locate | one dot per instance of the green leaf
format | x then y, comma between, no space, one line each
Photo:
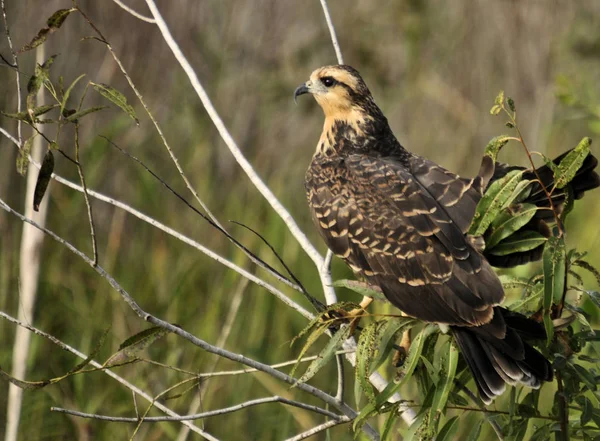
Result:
42,74
318,331
520,193
511,282
365,350
327,353
24,116
75,116
511,104
519,242
388,335
567,169
43,179
495,144
389,423
449,431
54,22
586,409
446,376
23,155
493,201
410,364
92,355
414,354
554,263
360,288
508,222
67,93
135,344
476,431
58,18
115,97
586,377
587,266
520,304
499,98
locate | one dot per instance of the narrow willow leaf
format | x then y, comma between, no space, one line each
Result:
24,116
493,201
115,97
504,226
75,116
389,333
586,409
554,264
586,377
317,332
92,355
365,350
58,18
23,155
449,431
135,344
587,266
326,354
531,302
414,354
510,282
25,385
519,242
499,98
571,163
446,380
67,93
43,179
476,431
520,193
386,434
360,288
495,145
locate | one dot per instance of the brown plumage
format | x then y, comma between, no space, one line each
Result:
400,221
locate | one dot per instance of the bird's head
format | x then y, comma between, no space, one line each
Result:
339,90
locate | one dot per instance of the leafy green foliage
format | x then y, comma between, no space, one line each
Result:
115,97
43,179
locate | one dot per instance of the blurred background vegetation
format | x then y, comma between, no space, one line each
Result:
434,67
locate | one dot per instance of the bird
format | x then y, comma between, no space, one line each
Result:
401,222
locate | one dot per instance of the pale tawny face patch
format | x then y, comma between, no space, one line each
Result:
335,100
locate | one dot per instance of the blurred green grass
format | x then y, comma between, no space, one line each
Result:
434,69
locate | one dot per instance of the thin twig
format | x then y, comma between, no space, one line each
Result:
86,197
198,416
147,109
15,64
110,373
318,393
334,40
319,428
237,243
236,152
134,12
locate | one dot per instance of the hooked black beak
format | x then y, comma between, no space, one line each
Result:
301,90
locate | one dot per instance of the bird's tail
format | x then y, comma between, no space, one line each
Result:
585,179
498,353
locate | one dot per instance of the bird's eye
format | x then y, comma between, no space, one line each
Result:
328,81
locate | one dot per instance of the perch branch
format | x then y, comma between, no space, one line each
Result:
323,396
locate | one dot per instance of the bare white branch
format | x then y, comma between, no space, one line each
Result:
134,12
198,416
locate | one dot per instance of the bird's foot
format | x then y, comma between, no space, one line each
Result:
402,349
